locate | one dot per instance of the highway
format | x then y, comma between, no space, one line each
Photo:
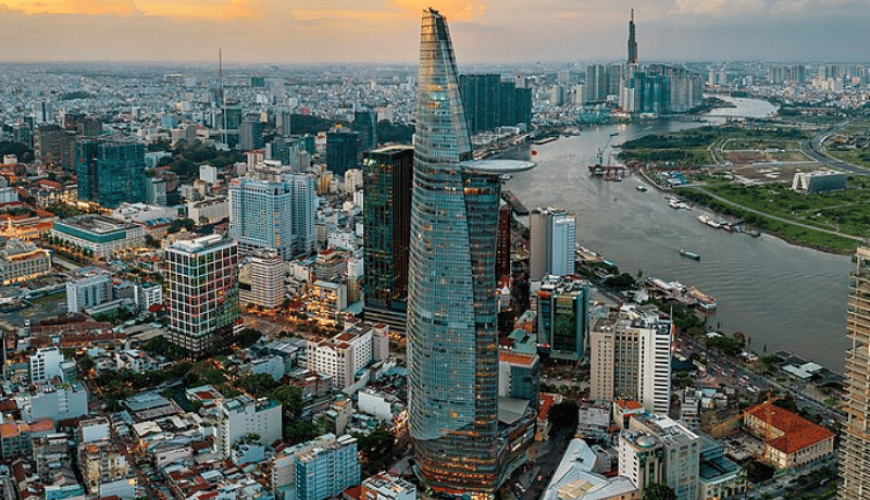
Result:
815,149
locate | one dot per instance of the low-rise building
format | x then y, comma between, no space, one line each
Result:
384,486
22,261
243,417
789,440
101,235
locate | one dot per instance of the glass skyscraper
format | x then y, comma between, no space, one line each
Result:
110,172
452,313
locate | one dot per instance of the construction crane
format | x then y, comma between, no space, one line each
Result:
602,150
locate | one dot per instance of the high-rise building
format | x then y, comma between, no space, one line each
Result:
597,82
202,291
261,281
244,417
52,145
490,102
452,312
327,470
631,359
387,179
855,446
553,237
342,151
632,43
251,133
503,247
563,317
273,207
110,172
366,123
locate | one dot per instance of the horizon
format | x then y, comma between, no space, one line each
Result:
385,31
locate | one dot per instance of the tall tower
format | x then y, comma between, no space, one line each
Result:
632,43
855,446
452,313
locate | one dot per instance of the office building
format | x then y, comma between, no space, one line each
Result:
88,292
110,172
632,42
452,312
344,355
261,281
342,151
387,181
597,82
855,444
503,246
202,291
245,418
273,208
22,261
680,457
519,375
631,358
328,469
563,317
251,133
365,122
45,364
99,234
54,146
384,486
553,241
490,102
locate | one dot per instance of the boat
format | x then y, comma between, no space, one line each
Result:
642,189
753,233
690,255
725,225
713,224
705,302
545,140
703,219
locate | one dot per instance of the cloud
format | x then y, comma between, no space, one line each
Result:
186,9
453,10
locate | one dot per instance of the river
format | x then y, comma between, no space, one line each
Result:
780,295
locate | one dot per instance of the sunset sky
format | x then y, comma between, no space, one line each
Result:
362,31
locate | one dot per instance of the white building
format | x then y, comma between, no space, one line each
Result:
45,364
143,213
344,355
261,281
66,401
681,453
818,182
240,417
101,235
386,487
148,294
208,174
553,239
631,359
8,195
88,292
209,211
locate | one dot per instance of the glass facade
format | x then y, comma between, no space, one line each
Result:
452,314
110,173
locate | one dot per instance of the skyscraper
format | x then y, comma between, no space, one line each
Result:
342,151
110,172
273,208
452,318
202,290
387,179
503,250
553,236
632,43
855,446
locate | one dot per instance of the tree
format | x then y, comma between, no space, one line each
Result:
248,337
290,398
258,384
656,491
564,416
300,431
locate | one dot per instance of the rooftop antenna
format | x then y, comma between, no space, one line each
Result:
632,15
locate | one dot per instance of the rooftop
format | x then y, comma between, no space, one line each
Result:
497,167
96,224
798,432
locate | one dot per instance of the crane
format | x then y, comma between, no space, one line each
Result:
602,150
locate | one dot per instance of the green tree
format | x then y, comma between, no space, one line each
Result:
290,398
300,431
564,415
656,491
258,384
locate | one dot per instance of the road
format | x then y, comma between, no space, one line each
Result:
774,217
548,461
724,367
815,149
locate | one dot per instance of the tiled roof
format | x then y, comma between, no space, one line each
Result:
798,432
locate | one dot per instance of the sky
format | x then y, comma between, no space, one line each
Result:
387,31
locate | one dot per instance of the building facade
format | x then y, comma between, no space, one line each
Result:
452,311
264,285
342,151
327,470
387,180
563,317
553,240
111,173
243,417
273,209
202,291
21,261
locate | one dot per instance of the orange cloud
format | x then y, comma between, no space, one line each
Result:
187,9
453,10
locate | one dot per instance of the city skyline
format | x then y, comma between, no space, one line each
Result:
274,31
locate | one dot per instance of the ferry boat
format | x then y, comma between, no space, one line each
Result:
690,255
642,189
705,302
703,219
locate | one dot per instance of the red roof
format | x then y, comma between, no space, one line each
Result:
629,404
546,403
798,432
515,358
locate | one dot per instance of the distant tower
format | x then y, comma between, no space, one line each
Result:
632,43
